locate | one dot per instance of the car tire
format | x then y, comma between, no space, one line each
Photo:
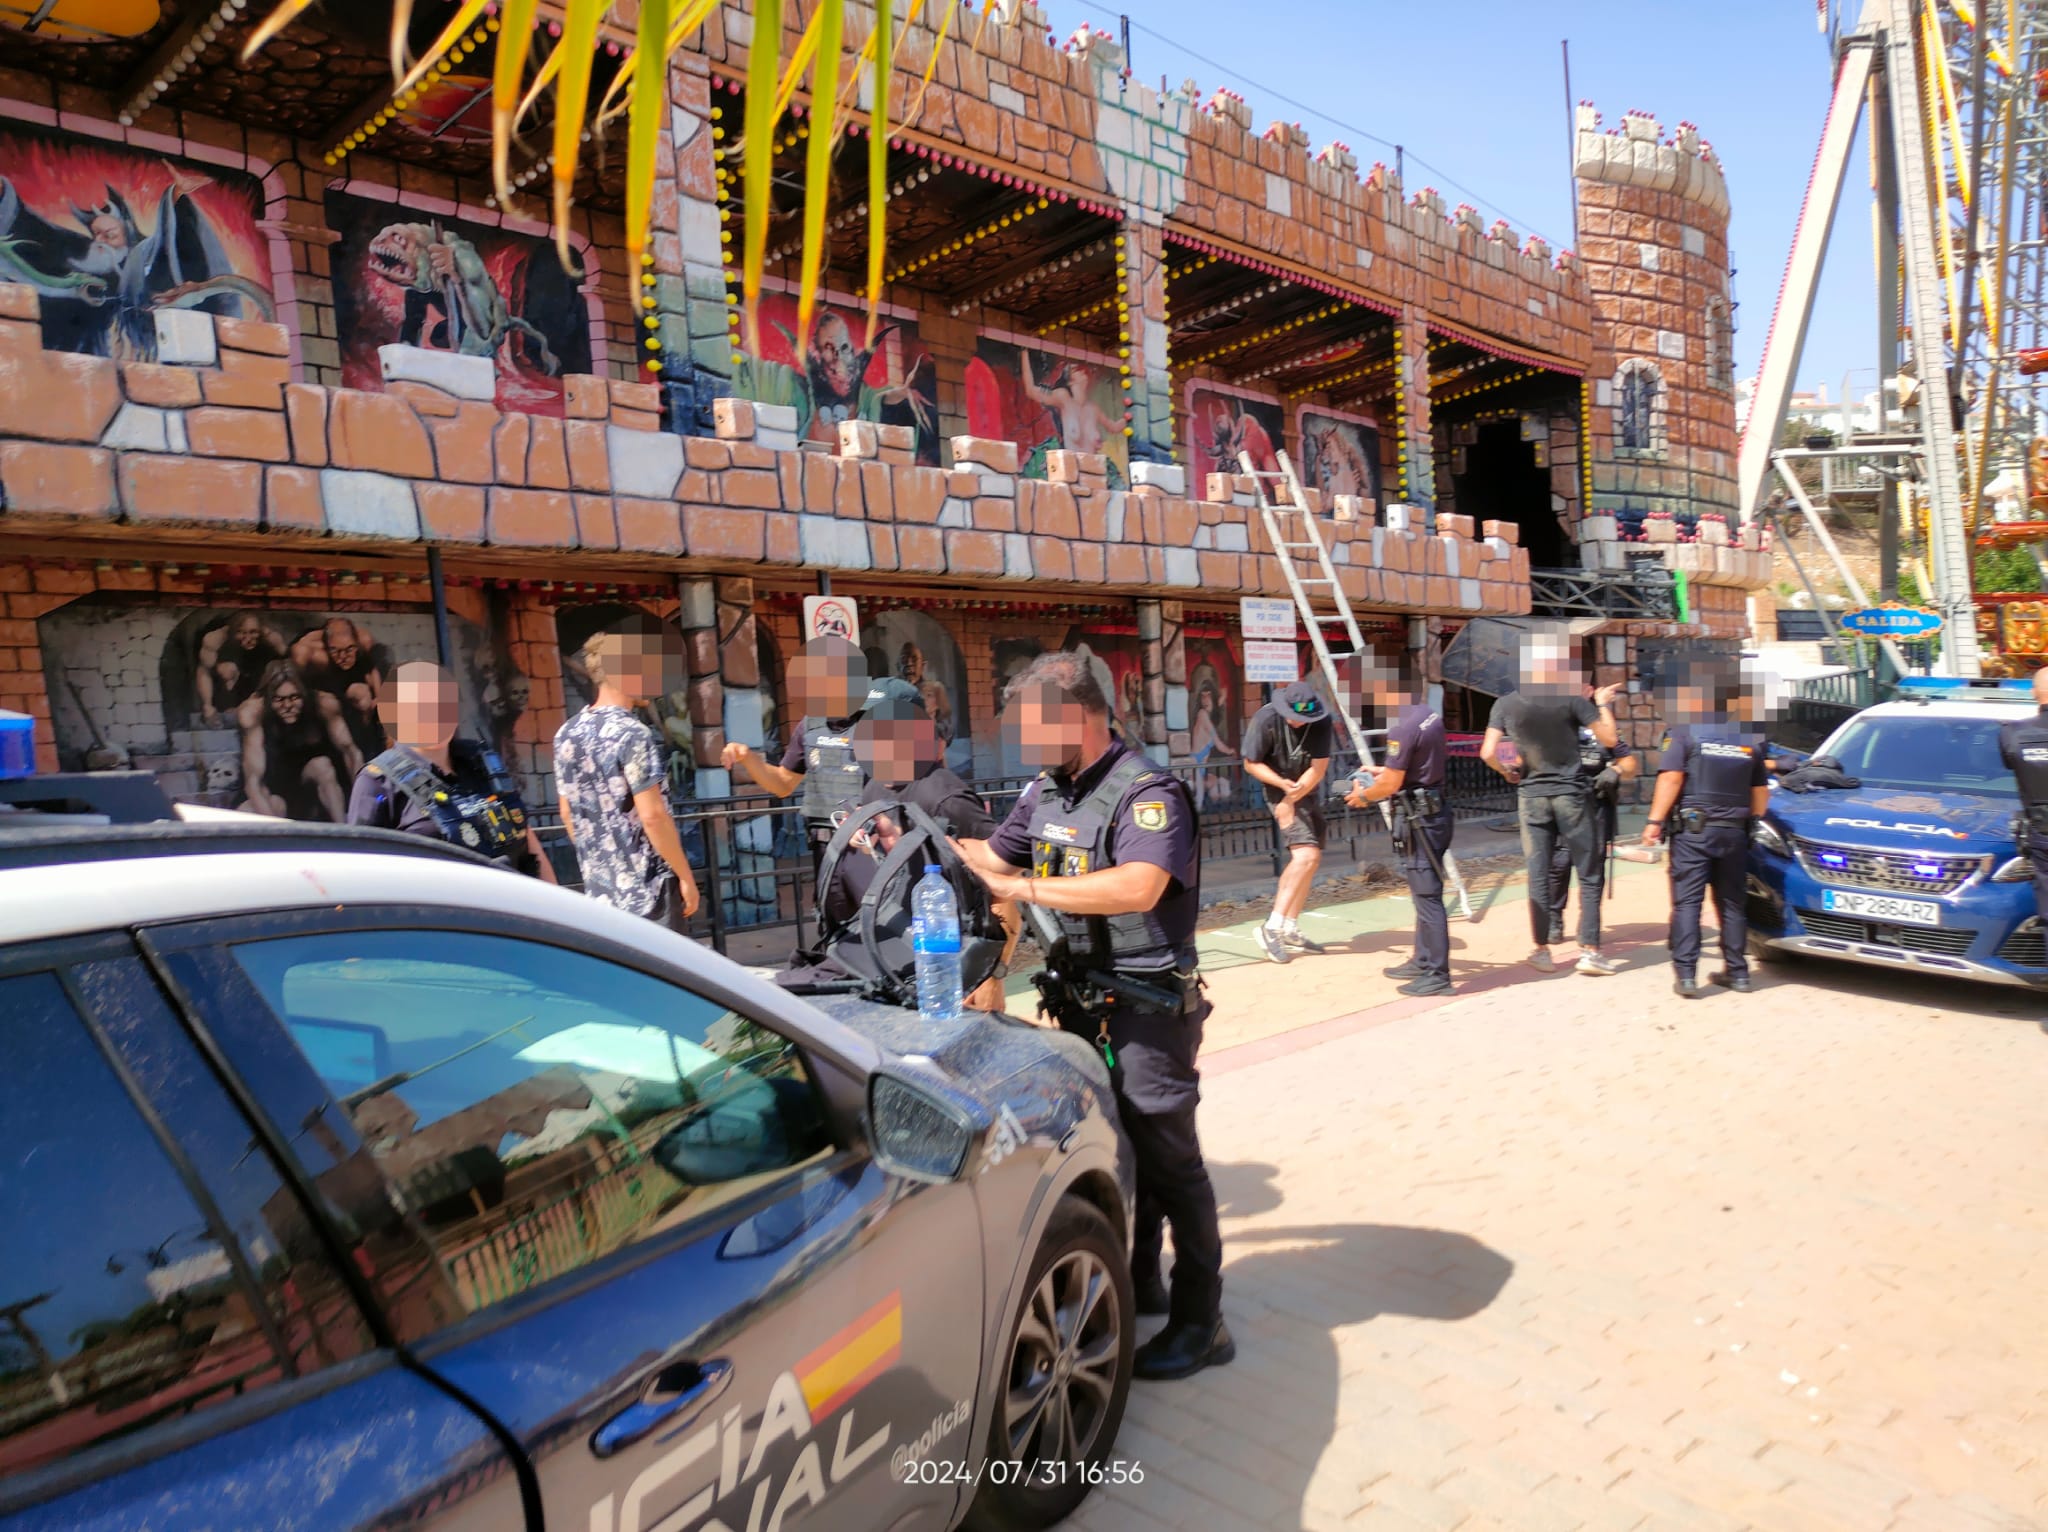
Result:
1079,1291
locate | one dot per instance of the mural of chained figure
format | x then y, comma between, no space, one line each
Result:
1084,426
441,272
833,386
107,278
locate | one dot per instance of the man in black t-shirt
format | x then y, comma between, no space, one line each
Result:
1605,771
1287,748
1543,721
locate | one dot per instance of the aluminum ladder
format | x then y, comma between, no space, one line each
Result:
1292,530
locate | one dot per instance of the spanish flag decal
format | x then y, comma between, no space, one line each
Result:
853,1358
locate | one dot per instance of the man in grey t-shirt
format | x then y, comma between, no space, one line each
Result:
609,774
1543,721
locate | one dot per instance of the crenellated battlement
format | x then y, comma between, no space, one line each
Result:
1637,154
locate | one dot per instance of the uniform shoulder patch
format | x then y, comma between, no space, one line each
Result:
1393,748
1150,815
1664,743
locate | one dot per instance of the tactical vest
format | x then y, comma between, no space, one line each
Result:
491,823
1720,764
2026,741
1067,841
833,779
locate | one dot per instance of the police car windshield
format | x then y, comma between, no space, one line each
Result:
1941,755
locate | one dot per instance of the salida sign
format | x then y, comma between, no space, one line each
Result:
1892,621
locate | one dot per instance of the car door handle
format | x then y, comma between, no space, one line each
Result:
671,1397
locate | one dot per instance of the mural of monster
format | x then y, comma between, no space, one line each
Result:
107,236
834,378
445,284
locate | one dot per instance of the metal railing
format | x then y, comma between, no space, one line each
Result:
1847,688
1644,593
753,859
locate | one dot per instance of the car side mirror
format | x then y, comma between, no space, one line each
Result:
921,1130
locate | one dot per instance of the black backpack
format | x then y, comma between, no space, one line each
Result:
868,952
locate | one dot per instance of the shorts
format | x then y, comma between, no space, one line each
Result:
1309,827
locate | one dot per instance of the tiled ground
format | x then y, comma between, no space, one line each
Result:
1574,1253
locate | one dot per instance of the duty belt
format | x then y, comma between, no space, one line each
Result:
1425,802
2036,816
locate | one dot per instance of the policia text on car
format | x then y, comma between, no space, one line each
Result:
1108,846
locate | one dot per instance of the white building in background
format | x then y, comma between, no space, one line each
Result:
1817,412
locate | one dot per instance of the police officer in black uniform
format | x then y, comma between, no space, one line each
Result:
1605,770
431,783
1712,783
828,688
2024,745
1110,845
1413,779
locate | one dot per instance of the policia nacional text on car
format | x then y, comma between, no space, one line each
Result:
1110,847
2024,745
1712,783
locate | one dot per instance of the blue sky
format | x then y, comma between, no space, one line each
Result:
1476,89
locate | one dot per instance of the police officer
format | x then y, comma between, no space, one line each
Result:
1110,845
1605,770
2024,745
1413,779
1712,781
433,784
828,688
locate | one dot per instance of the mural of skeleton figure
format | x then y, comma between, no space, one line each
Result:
441,273
297,752
833,386
110,275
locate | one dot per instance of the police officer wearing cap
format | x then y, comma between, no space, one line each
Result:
1712,783
2024,745
1412,783
433,784
1109,844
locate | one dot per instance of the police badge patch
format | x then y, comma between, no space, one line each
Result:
1393,748
1149,816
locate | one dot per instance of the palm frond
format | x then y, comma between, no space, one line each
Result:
916,112
878,163
464,18
515,41
271,25
764,57
649,80
578,53
829,24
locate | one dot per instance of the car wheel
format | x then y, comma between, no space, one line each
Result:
1065,1375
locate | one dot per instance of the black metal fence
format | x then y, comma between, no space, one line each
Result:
753,860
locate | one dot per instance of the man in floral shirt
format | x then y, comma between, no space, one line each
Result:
608,770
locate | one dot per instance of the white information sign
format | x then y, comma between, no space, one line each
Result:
1265,617
1272,660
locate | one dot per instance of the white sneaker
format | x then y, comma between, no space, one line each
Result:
1541,960
1592,962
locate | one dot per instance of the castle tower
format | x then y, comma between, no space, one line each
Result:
1653,243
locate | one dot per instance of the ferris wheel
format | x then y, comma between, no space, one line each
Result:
1955,93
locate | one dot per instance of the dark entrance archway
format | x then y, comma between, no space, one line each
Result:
1501,482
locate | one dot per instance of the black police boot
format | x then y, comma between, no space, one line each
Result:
1183,1349
1152,1296
1427,984
1739,982
1412,969
1686,987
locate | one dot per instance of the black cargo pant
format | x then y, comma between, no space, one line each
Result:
1429,839
1609,813
1157,1087
1716,857
1572,819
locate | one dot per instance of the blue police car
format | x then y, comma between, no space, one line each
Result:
347,1182
1916,868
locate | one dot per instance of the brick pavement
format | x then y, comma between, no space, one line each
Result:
1574,1253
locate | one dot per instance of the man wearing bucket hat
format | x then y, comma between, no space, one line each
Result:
1287,749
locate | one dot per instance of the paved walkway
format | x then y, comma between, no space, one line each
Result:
1565,1252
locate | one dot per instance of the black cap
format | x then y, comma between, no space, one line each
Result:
1300,702
892,699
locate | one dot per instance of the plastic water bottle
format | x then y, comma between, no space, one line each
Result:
935,938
